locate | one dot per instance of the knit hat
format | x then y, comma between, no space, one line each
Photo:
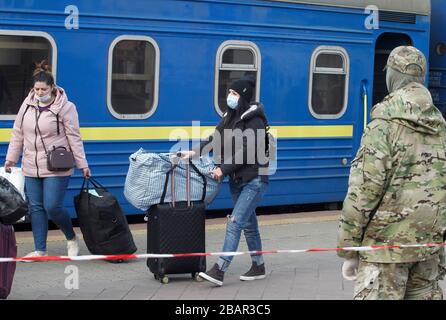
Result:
244,88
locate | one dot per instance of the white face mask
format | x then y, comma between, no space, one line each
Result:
232,101
45,98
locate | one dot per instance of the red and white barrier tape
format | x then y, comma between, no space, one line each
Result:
182,255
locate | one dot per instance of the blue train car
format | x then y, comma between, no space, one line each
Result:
143,71
437,79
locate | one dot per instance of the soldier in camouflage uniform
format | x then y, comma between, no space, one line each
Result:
397,190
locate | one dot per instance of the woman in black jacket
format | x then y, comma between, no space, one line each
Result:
238,144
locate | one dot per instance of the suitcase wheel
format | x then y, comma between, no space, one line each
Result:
196,277
164,280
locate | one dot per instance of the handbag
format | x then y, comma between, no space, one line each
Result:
58,159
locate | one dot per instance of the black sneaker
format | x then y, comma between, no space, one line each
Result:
255,273
214,275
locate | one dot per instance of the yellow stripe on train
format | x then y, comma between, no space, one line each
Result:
174,133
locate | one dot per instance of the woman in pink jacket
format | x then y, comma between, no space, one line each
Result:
45,120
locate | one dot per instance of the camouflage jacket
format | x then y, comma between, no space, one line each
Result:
397,185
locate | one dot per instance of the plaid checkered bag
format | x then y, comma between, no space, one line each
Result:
147,176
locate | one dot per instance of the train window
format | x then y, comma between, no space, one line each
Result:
329,82
235,60
325,60
19,52
238,56
133,77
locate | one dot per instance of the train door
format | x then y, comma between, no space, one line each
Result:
384,45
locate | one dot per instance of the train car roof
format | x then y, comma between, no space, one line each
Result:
422,7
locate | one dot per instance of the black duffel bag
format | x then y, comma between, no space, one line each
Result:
102,222
12,205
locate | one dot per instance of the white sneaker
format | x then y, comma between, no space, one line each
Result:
73,247
35,254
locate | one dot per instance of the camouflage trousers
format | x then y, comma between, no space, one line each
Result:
398,281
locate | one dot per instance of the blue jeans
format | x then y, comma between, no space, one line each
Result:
45,199
246,196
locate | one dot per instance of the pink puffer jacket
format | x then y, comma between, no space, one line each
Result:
26,139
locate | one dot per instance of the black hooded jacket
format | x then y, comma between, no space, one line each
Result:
242,133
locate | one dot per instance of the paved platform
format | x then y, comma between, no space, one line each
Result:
307,276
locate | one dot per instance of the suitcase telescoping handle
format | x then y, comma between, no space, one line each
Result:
188,183
172,185
171,173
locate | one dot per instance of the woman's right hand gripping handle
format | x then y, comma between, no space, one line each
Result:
9,165
187,154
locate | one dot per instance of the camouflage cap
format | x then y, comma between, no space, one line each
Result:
401,58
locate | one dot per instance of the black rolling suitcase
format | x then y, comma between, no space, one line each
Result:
177,227
102,222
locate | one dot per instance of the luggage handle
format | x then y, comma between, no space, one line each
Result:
163,196
171,172
172,187
94,182
203,177
188,184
